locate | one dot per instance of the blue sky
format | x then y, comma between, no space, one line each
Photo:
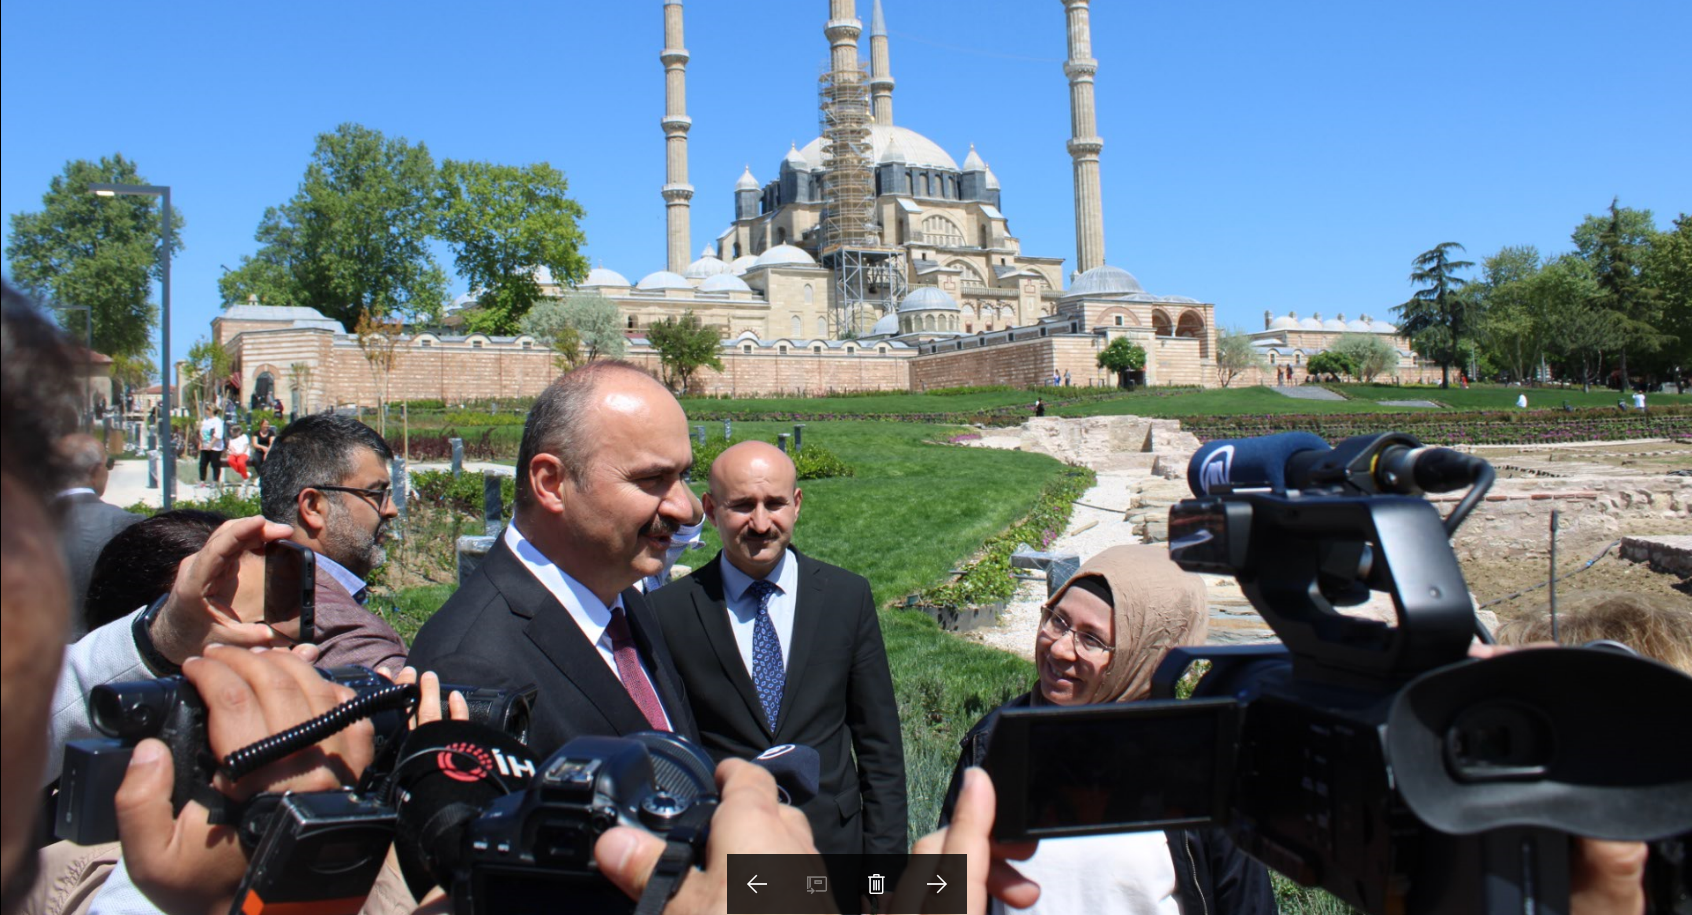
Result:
1257,155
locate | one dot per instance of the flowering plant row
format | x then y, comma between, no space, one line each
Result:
1539,428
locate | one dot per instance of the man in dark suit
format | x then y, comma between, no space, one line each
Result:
86,521
599,497
328,476
776,648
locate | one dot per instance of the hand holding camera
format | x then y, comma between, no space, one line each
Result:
184,863
200,609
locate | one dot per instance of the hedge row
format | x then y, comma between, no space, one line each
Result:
1494,428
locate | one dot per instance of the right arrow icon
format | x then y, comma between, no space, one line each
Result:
941,884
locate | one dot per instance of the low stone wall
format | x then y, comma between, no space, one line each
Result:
1515,519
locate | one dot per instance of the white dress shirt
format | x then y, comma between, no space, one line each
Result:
743,607
590,613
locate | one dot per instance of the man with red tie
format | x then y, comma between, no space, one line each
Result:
599,496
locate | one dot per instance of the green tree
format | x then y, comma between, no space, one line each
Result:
1367,354
1578,329
208,365
1438,316
1513,330
684,347
1235,355
503,222
1632,305
1122,356
102,252
1329,363
580,326
1669,271
1635,227
354,238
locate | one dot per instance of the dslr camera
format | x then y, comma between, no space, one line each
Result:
1379,762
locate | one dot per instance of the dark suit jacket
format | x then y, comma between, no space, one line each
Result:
503,628
348,633
838,699
86,524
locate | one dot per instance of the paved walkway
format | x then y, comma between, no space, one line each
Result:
1427,404
1306,392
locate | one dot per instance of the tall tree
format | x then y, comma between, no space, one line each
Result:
1367,354
1437,317
1235,355
1669,271
580,326
503,222
1632,305
1513,331
354,238
99,252
1566,294
684,347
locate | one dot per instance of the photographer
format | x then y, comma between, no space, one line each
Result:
1101,636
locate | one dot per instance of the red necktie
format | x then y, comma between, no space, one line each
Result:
630,672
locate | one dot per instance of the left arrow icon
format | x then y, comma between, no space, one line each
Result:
754,886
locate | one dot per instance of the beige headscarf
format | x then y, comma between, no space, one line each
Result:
1157,606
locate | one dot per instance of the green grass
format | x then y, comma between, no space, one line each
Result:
1499,397
1215,402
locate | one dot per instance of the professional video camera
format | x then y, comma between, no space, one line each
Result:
1378,762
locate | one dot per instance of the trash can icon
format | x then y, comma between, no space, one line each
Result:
876,884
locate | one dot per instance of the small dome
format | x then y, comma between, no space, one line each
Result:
542,275
1312,323
1382,327
784,254
888,326
992,181
742,263
466,300
972,162
746,182
601,276
1335,324
708,265
928,298
724,282
1357,326
1105,280
796,158
663,279
1284,322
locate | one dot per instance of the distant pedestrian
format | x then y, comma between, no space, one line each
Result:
1639,401
1521,400
1039,407
1066,378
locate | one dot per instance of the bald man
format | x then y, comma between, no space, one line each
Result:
600,498
777,648
86,521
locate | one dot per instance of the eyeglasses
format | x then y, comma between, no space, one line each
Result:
379,496
1086,643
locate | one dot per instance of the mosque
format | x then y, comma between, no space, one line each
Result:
870,260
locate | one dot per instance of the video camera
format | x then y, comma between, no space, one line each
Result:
1378,762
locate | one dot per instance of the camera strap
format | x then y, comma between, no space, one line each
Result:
683,845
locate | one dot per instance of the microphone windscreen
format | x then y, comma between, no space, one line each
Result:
797,770
1260,461
448,771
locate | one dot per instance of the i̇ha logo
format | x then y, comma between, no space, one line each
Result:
1216,468
452,762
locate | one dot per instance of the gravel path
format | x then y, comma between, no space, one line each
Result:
1306,392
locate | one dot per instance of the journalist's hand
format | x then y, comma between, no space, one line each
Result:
200,608
185,865
429,697
749,821
970,833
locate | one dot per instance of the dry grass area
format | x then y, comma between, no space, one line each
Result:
1602,459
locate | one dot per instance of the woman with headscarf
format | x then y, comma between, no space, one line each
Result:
1101,637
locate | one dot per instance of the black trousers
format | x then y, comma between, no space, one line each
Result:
213,459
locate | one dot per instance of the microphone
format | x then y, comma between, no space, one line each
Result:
448,772
1252,462
797,770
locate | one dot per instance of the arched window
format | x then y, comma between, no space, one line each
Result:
747,349
737,249
1190,325
798,326
1160,324
983,235
970,276
938,230
808,293
1118,320
822,326
927,322
631,322
1271,358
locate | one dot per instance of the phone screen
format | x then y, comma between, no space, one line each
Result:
1112,768
290,589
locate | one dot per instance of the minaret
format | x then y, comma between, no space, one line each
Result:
677,192
1084,143
881,72
843,29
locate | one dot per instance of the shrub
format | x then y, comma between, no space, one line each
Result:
463,493
813,462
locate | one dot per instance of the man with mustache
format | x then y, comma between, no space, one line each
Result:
327,476
600,496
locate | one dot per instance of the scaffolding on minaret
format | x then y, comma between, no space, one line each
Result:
869,275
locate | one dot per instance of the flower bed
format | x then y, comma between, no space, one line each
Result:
1540,427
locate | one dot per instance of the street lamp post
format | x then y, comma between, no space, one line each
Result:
167,470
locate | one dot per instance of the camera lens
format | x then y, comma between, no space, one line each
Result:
131,711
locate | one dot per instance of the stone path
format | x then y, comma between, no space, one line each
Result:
1306,392
1426,404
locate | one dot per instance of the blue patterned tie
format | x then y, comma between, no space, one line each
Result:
768,672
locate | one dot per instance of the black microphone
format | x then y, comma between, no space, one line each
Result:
797,770
1409,471
1265,461
448,772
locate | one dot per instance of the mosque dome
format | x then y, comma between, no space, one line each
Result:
888,326
916,149
708,265
1357,326
743,263
467,300
1334,324
1284,322
724,282
601,276
1105,280
972,162
784,254
542,274
928,298
1310,324
1382,327
663,279
992,181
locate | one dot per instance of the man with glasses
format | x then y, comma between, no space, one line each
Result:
327,476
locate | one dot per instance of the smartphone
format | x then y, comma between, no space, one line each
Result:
290,588
1125,767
